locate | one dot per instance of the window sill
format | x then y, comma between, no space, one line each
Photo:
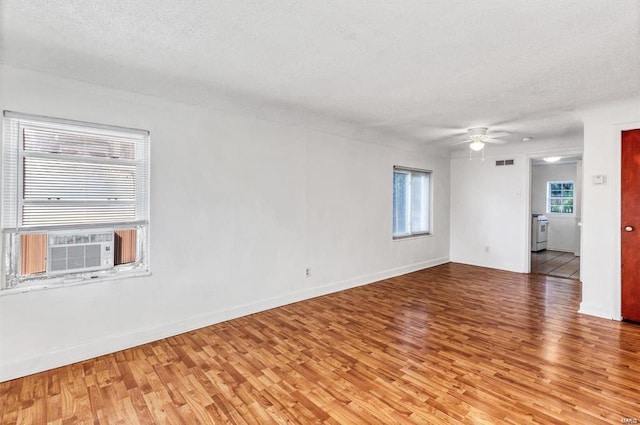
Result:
413,236
559,215
71,281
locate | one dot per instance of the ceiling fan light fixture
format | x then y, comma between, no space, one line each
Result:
478,138
552,159
476,145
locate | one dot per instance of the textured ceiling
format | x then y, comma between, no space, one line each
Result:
418,70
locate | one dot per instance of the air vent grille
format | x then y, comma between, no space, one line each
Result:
502,162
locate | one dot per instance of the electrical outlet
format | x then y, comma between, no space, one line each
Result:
307,272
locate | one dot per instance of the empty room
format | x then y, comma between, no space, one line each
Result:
320,212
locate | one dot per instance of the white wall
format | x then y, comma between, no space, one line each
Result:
578,205
239,207
487,212
563,230
490,205
600,261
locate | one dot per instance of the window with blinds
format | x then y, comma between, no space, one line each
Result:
66,175
411,202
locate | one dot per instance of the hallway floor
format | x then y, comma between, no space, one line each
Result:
556,263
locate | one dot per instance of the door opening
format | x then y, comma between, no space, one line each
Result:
556,189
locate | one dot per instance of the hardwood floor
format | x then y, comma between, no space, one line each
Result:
450,344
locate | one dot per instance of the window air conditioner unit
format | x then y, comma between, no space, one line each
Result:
79,251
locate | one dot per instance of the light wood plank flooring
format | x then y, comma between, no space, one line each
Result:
556,263
450,344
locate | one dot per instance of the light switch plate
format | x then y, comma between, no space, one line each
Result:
599,179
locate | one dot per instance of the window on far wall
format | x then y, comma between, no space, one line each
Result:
411,202
560,197
75,201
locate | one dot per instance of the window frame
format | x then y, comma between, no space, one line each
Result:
561,197
13,191
429,199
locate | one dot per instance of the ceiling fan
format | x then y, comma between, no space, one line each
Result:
477,138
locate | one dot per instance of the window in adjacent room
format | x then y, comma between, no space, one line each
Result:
560,197
75,201
411,202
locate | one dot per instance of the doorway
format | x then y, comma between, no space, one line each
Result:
556,192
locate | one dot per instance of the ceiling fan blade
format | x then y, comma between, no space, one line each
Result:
461,142
496,141
474,133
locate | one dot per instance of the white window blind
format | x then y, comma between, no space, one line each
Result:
73,174
58,191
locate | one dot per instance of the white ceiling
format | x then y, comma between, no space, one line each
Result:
418,70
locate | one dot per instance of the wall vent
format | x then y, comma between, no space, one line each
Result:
504,162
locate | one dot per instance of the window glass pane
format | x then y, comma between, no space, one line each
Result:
560,197
400,203
419,203
567,201
78,142
411,202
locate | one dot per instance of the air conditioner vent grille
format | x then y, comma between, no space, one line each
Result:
80,251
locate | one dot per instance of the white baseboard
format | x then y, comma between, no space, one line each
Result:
364,280
113,343
597,311
561,249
